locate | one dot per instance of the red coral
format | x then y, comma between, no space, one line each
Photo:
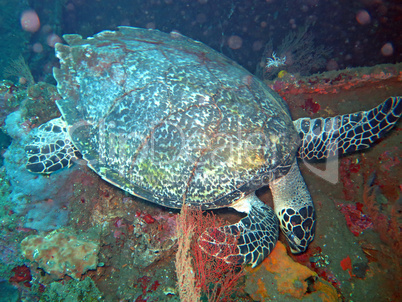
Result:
144,282
310,106
21,274
216,278
154,286
329,276
356,221
148,219
140,299
346,264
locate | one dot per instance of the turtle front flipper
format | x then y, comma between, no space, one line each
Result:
250,240
295,209
326,137
51,149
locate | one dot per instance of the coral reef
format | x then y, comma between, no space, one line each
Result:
72,291
60,253
332,82
279,278
36,102
39,105
11,96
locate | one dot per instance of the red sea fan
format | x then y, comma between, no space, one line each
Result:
213,278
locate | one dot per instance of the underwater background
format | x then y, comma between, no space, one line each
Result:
71,236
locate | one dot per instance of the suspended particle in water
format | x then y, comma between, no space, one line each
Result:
387,49
363,17
30,21
235,42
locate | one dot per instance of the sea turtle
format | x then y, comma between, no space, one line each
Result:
172,121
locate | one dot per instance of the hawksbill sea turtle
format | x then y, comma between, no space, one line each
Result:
170,120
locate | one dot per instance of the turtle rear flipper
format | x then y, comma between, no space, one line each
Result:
250,240
51,149
326,137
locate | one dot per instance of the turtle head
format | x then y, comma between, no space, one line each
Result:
298,226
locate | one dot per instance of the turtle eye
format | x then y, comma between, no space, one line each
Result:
294,242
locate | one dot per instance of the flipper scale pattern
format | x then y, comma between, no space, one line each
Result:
326,137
